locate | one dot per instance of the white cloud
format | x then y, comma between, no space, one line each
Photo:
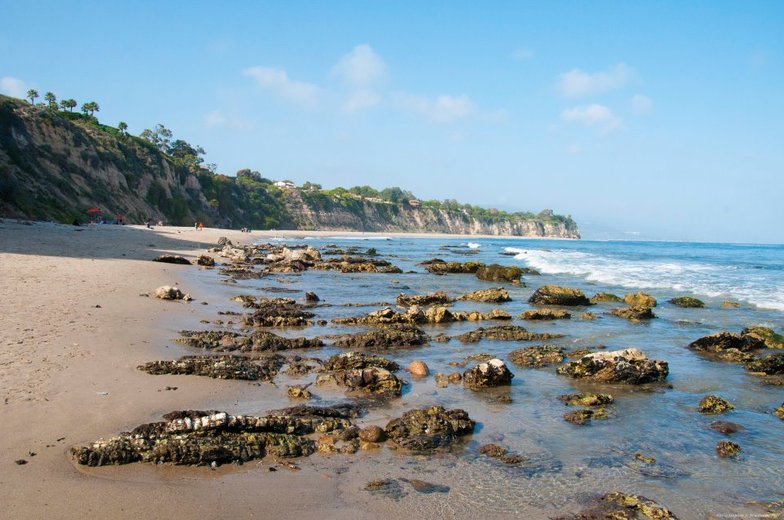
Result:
218,119
577,83
523,54
361,99
592,115
14,87
642,105
441,109
278,81
360,67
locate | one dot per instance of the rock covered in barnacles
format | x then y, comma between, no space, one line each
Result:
356,360
363,374
219,367
167,292
586,399
372,434
205,261
585,415
622,506
634,314
436,298
537,356
769,365
779,412
770,338
438,266
349,264
545,314
727,449
639,299
500,273
429,429
494,295
499,452
556,295
278,312
713,404
602,297
728,345
504,333
628,366
687,302
258,341
489,374
384,338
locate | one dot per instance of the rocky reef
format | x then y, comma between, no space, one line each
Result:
622,506
219,367
628,366
504,333
556,295
537,356
429,429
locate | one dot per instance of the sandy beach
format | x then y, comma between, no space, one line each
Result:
74,328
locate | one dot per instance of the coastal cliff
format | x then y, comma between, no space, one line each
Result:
62,165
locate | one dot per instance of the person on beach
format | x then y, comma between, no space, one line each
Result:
201,226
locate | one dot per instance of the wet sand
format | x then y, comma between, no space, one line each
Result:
74,328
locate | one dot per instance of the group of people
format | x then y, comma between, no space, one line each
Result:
198,225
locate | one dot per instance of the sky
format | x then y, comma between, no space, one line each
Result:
641,120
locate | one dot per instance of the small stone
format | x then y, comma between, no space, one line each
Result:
586,399
588,316
644,458
729,304
727,449
492,373
602,297
639,299
20,462
311,297
687,302
372,434
167,292
418,368
779,412
442,380
713,405
725,427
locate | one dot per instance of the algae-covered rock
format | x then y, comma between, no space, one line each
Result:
489,374
389,337
729,304
687,302
205,261
634,314
299,391
779,412
204,437
278,312
770,338
372,434
436,298
494,295
713,405
350,264
622,506
639,299
429,429
583,416
371,380
770,365
498,452
727,449
586,399
504,333
603,297
728,346
628,366
357,360
500,273
219,367
545,314
556,295
438,266
537,356
258,341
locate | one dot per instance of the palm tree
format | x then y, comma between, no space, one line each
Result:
70,104
122,127
51,99
90,107
32,94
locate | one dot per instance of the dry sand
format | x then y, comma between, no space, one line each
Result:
74,327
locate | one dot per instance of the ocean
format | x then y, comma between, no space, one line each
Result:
564,464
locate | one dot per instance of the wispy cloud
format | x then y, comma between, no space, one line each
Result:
13,87
219,119
578,83
360,100
360,67
593,116
523,54
642,105
278,82
441,109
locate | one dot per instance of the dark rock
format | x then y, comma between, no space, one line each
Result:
429,429
384,338
628,366
311,297
727,449
545,314
20,462
584,415
489,374
603,297
504,333
172,259
555,295
362,374
537,356
497,452
727,345
770,338
500,273
358,360
639,299
713,404
770,365
586,399
420,486
634,313
622,506
299,391
348,264
687,302
372,434
438,266
387,487
223,241
206,261
219,367
436,298
279,312
259,341
726,427
495,295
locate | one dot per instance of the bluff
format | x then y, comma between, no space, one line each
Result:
58,165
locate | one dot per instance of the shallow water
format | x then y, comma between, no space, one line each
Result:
567,463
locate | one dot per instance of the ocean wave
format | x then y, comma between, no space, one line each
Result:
474,245
701,279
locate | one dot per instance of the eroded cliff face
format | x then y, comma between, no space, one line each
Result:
385,217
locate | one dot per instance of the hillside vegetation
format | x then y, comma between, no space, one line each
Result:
58,164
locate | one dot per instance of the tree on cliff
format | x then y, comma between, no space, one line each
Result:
32,94
122,126
160,137
51,100
69,104
90,107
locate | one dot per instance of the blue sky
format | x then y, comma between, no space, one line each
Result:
640,119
